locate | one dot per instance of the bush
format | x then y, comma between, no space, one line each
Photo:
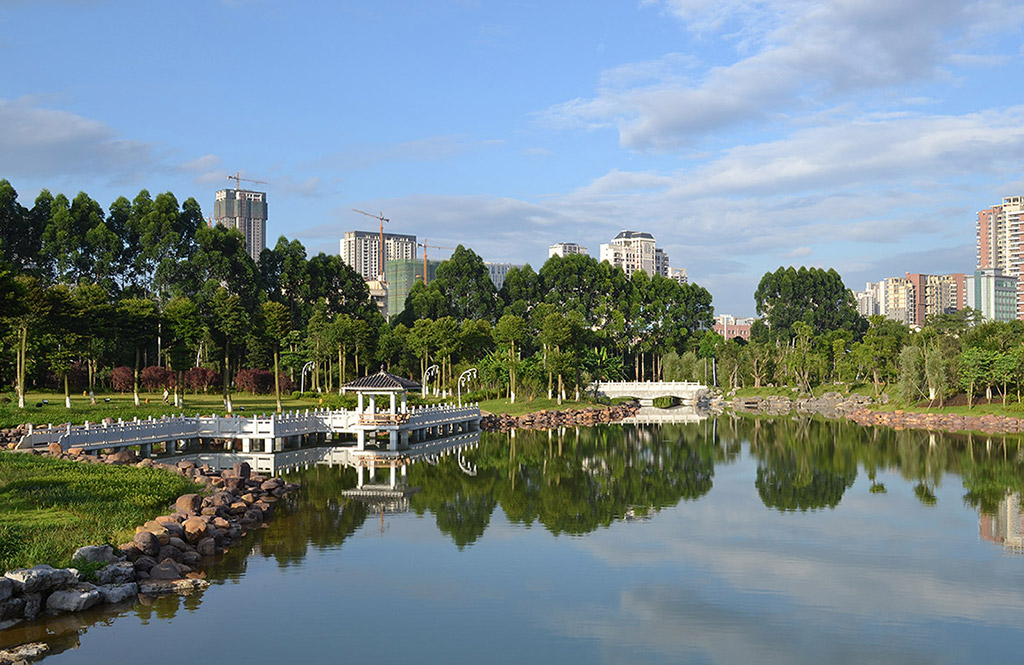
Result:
122,379
255,381
154,377
666,402
200,378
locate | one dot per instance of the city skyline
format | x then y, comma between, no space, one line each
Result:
864,137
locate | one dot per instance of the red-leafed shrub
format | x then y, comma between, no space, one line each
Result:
200,378
155,377
122,379
255,381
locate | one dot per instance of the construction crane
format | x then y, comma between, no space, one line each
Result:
238,178
382,277
424,245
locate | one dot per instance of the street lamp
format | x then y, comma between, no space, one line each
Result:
431,371
305,368
464,378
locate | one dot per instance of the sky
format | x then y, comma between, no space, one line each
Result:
860,135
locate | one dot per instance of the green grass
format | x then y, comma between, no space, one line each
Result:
51,507
123,406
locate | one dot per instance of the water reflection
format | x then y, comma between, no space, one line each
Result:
754,509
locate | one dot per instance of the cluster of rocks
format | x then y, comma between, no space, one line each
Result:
947,422
9,438
544,420
829,405
165,554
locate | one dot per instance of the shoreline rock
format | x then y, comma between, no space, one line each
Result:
545,420
166,554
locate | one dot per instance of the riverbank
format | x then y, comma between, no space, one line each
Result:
166,554
550,419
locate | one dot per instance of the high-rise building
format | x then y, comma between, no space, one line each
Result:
564,249
246,211
635,250
1001,242
361,251
498,272
402,274
993,294
913,298
678,274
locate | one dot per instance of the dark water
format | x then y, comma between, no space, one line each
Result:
787,541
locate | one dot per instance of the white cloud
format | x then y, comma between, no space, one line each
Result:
40,142
805,55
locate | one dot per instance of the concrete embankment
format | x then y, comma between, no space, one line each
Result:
544,420
166,554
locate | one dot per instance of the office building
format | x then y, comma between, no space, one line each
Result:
564,249
993,294
730,327
635,250
361,251
1001,242
246,211
498,272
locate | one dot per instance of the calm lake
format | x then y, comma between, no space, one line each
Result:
729,541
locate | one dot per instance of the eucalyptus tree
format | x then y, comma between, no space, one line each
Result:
62,334
231,322
184,334
509,332
96,328
277,324
137,325
812,295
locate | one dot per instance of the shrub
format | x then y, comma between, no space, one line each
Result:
200,378
154,377
255,381
122,379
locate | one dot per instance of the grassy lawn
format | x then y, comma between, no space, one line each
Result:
50,507
123,406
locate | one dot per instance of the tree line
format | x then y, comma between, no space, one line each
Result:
147,288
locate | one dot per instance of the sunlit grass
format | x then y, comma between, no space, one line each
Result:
51,507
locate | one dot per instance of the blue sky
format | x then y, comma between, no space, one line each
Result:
862,135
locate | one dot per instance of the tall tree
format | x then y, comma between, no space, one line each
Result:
277,320
812,295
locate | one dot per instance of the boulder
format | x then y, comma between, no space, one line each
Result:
24,653
33,605
6,588
165,570
144,564
174,529
272,484
233,484
41,578
12,608
242,469
123,457
55,449
97,554
179,543
206,547
147,543
222,499
163,535
116,573
192,559
195,529
115,593
169,552
77,598
157,587
189,503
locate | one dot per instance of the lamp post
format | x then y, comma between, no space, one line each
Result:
305,368
431,371
464,378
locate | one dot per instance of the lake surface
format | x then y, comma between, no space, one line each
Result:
728,541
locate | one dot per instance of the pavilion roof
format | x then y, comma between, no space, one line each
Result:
381,381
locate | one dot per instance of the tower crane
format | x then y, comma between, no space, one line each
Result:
382,277
238,178
424,245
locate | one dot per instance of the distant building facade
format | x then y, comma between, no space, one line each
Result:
729,326
635,250
1000,237
679,275
246,211
499,270
402,274
564,249
993,294
914,297
361,251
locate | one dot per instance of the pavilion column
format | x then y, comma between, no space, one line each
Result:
393,439
394,477
361,439
372,472
359,477
246,445
392,400
405,402
359,399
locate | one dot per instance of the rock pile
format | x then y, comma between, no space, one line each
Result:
829,405
9,438
544,420
947,422
165,554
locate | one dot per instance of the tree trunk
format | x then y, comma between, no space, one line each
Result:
67,392
135,383
227,378
22,361
277,381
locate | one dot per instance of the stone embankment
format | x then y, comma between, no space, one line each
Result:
165,555
543,420
945,422
829,405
